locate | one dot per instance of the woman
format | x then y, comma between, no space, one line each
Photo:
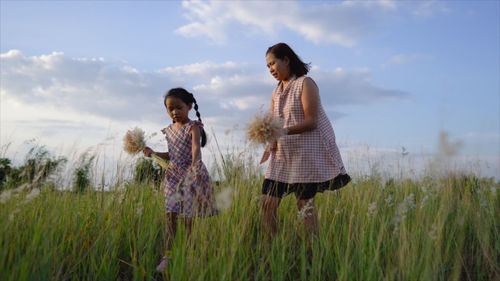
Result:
306,160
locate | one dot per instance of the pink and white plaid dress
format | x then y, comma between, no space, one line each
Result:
186,193
309,157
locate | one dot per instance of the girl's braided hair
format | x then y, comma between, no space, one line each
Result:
188,99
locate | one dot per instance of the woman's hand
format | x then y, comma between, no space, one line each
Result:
273,146
267,152
147,151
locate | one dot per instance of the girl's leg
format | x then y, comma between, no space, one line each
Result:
269,206
170,230
189,225
306,208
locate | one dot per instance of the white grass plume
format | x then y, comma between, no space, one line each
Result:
264,128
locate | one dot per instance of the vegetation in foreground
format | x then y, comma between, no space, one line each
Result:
435,228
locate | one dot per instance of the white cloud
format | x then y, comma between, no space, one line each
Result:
58,97
483,136
53,125
212,25
204,69
342,23
237,85
120,92
403,58
337,87
388,4
251,102
429,8
340,87
87,86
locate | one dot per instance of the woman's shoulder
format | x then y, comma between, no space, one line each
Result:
300,81
307,81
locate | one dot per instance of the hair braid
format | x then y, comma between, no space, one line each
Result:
196,108
202,131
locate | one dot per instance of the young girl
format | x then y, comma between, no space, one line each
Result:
187,185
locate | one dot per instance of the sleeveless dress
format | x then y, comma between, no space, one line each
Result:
186,193
310,157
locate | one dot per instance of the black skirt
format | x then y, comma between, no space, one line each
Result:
303,191
334,184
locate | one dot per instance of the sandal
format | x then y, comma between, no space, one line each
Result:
163,263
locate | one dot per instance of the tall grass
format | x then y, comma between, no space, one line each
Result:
434,228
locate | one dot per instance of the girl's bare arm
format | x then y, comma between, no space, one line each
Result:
147,152
195,144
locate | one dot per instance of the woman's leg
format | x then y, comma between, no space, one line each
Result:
308,212
269,215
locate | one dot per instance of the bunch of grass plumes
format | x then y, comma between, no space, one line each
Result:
134,141
264,128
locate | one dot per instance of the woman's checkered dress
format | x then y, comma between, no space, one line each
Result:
186,193
309,157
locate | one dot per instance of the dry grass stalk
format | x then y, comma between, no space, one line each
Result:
134,141
264,128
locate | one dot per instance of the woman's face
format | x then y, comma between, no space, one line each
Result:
177,109
279,68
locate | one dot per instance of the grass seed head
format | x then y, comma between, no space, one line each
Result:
134,141
264,128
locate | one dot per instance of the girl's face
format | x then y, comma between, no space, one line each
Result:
178,110
279,68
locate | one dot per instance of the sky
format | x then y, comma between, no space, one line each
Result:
391,74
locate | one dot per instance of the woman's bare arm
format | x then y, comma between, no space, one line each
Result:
272,103
310,104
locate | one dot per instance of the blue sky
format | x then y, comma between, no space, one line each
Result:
390,73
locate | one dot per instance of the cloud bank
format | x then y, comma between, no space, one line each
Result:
343,23
89,86
338,23
96,88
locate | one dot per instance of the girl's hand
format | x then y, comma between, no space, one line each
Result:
193,173
147,151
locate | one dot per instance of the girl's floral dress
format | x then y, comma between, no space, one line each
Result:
188,193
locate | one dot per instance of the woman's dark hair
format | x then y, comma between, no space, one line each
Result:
188,99
297,66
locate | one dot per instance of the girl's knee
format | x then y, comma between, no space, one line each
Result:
172,217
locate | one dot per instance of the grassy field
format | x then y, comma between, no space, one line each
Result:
435,228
